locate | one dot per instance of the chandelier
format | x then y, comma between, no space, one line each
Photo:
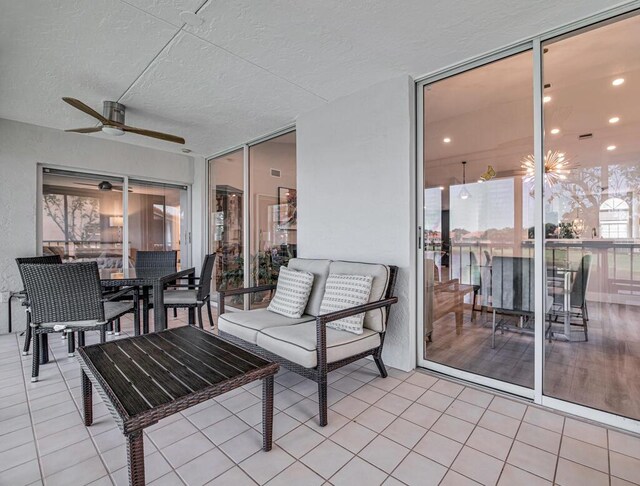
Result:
556,167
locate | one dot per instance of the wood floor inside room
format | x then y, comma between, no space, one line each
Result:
603,372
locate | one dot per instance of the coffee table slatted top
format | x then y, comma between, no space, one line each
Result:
154,375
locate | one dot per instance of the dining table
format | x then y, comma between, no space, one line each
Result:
152,282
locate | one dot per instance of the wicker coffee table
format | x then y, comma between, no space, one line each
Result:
146,378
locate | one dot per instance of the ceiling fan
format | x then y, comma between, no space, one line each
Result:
104,186
112,121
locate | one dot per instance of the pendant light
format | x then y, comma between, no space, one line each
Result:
464,192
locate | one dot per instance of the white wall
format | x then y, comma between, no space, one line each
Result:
355,193
23,146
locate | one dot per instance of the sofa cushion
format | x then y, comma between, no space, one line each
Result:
320,271
298,343
292,293
374,319
343,292
246,324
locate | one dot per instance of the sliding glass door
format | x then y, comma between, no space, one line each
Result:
529,235
84,218
477,256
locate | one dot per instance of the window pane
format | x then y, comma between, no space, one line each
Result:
478,214
273,210
226,203
591,213
82,217
156,216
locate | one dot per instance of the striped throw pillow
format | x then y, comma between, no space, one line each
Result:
292,293
343,292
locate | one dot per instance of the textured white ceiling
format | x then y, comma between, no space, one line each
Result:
250,68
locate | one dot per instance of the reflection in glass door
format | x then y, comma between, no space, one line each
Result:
477,232
591,215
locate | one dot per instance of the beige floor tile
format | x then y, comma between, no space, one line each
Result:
538,437
25,473
489,442
387,384
243,445
353,437
586,454
624,444
235,476
369,394
350,407
384,453
421,415
204,468
394,404
545,419
534,460
336,422
499,423
357,471
375,419
327,458
465,411
263,466
404,432
572,474
187,449
453,478
435,400
453,427
81,473
620,482
476,397
585,432
447,388
220,432
478,466
297,473
512,476
300,441
173,432
438,448
67,457
417,470
422,380
408,391
625,467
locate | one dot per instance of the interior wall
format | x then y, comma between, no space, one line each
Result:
356,172
22,148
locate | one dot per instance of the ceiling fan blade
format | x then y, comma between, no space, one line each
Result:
79,105
85,130
151,133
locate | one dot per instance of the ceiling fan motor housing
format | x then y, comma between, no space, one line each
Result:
113,111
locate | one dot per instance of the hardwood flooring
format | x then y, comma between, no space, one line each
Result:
602,373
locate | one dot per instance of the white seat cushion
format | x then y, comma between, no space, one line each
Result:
374,319
112,310
246,324
186,296
298,343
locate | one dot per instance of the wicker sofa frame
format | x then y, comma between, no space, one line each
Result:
319,373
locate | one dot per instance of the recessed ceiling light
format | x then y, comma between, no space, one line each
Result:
480,181
617,81
442,188
446,140
614,119
555,131
611,147
546,99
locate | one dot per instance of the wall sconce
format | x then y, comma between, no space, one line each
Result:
116,221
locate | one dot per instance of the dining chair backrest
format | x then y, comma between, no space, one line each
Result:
513,285
487,258
205,276
41,260
64,293
157,259
474,269
581,280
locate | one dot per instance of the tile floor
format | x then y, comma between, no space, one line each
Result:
410,428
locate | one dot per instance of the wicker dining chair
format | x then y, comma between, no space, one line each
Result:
193,296
157,259
68,298
22,295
